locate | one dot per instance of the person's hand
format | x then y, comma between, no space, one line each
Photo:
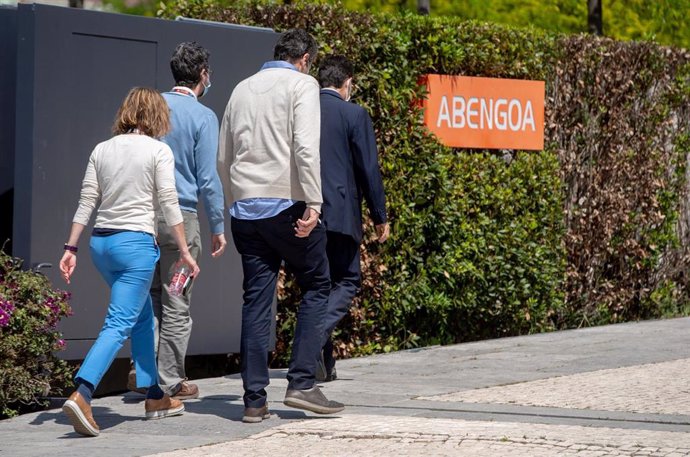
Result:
383,231
67,265
219,244
305,225
187,258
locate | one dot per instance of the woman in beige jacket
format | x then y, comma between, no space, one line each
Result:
130,175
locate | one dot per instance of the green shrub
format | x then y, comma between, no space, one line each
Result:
589,231
661,21
30,311
482,257
619,122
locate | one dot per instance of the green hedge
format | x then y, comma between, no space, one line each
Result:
662,21
620,123
486,244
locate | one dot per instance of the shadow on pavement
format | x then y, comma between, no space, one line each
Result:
105,417
217,405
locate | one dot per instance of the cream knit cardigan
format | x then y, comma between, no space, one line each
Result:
269,139
129,177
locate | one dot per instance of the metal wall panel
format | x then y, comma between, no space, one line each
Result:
76,67
8,72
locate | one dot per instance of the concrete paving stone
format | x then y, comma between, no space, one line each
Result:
385,415
356,435
657,388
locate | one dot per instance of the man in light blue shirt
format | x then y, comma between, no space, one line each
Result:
193,138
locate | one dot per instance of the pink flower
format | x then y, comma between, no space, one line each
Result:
4,318
6,310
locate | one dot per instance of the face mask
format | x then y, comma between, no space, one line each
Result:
349,91
206,88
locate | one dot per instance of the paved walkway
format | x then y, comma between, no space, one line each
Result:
620,390
364,435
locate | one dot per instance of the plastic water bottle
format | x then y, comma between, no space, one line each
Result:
180,280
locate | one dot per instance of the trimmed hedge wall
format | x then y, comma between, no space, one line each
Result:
591,230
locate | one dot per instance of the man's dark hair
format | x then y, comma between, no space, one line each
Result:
293,44
334,70
187,63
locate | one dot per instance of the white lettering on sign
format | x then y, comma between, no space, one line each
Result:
458,108
480,114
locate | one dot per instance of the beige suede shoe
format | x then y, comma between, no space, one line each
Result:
255,415
187,391
166,406
132,383
80,416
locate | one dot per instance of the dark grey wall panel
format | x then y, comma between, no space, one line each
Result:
24,138
78,66
8,73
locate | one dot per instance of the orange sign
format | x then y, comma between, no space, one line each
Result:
485,113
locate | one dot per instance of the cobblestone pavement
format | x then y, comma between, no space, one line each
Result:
619,390
653,388
657,388
369,435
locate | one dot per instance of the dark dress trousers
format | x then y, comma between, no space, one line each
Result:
264,244
349,172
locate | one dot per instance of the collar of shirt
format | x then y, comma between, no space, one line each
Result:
331,91
184,91
278,64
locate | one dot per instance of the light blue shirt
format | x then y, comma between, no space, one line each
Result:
193,138
263,208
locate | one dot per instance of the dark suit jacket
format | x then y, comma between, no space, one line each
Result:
349,166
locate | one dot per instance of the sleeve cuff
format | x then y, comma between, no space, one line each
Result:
217,228
80,220
315,206
379,216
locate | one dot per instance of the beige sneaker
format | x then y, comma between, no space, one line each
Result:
187,391
80,416
255,415
166,406
132,383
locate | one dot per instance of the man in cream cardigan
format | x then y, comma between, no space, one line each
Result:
269,163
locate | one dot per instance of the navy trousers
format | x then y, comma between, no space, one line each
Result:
343,260
263,244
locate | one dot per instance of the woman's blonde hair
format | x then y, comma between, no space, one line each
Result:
143,109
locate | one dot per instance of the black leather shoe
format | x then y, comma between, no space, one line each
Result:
323,374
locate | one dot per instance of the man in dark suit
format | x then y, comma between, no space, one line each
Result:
349,171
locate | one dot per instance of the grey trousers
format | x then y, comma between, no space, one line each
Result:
173,319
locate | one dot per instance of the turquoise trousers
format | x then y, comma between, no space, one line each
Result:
126,260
